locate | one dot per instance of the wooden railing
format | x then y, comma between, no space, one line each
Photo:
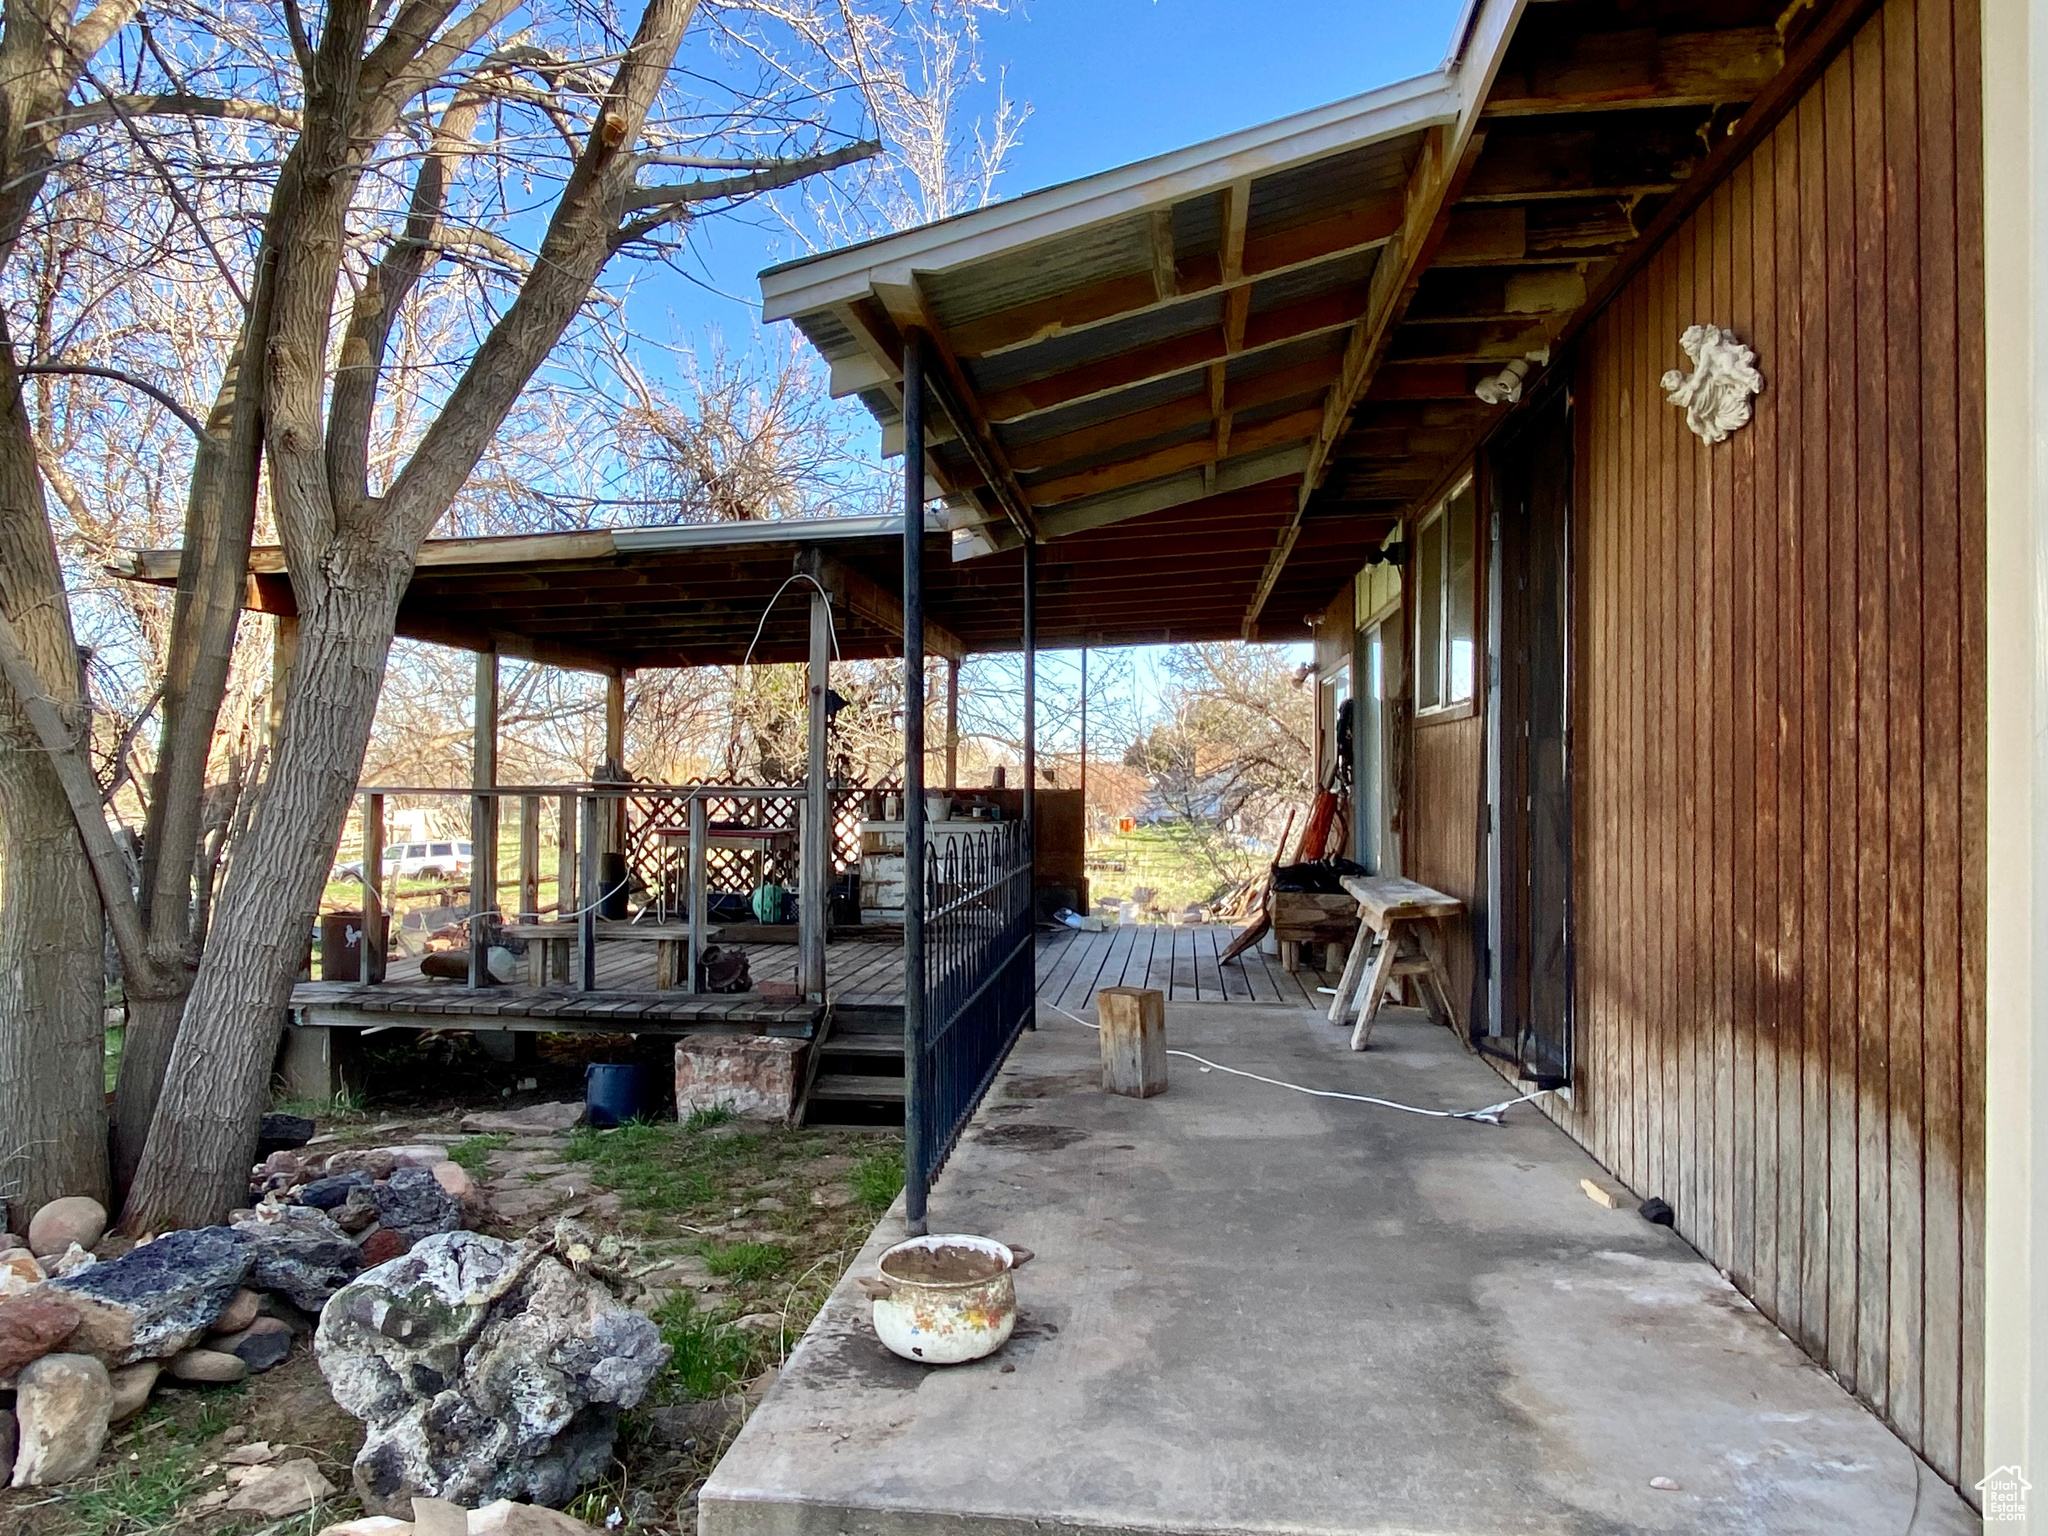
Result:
672,840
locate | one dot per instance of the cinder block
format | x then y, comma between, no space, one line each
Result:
755,1076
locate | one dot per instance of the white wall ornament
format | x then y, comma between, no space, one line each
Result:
1715,395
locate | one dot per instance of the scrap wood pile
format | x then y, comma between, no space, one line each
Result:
1322,835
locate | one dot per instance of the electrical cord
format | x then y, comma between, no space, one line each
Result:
829,620
1490,1115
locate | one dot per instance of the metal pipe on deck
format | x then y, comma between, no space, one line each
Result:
813,913
917,1170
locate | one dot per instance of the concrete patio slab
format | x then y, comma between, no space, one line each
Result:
1256,1311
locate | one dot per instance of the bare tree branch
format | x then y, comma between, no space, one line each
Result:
122,376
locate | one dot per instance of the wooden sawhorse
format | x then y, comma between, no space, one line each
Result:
1403,917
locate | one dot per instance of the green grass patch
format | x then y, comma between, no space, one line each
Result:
707,1358
746,1261
647,1165
138,1496
349,1104
706,1119
878,1178
474,1152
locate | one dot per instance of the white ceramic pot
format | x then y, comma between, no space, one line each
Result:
946,1298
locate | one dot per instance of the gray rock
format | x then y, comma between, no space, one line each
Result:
412,1201
532,1119
9,1436
132,1385
358,1211
302,1256
61,1403
325,1194
688,1425
482,1369
157,1299
289,1488
259,1346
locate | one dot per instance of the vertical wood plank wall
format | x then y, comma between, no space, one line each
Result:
1780,734
1440,846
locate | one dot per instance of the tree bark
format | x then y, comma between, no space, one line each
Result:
52,944
195,1164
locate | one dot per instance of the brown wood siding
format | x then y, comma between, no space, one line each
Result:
1440,844
1779,735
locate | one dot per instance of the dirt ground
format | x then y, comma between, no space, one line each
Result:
736,1232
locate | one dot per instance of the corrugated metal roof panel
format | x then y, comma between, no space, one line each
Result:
1311,282
1039,272
1077,349
1304,192
1101,408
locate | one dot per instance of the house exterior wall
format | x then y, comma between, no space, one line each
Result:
1779,735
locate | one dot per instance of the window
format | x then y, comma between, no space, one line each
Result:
1445,582
443,850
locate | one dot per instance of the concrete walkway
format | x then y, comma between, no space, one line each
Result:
1255,1311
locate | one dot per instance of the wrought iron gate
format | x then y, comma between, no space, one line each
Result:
977,990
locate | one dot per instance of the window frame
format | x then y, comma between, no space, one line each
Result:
1430,521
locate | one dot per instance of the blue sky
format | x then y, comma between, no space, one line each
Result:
1112,81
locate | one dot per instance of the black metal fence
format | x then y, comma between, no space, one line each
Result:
977,993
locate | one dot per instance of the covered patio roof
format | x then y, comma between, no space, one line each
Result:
1296,316
693,595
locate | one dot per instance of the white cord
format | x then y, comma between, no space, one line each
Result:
830,622
1487,1116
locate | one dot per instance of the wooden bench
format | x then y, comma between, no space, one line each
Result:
1398,922
548,946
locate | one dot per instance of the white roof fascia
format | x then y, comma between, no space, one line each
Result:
834,277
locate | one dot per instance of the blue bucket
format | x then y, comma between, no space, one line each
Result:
613,1092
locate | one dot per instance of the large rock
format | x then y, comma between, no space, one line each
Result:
160,1298
259,1346
209,1367
289,1488
74,1219
532,1119
325,1194
483,1370
413,1202
132,1385
282,1133
31,1325
62,1403
504,1518
300,1255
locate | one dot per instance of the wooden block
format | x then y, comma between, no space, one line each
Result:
1133,1040
1613,1196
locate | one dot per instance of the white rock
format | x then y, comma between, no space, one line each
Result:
62,1402
74,1219
289,1488
18,1271
369,1525
254,1454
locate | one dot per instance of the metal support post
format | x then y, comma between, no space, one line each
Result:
917,1169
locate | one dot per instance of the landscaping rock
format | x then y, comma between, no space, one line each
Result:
301,1255
242,1311
325,1194
358,1211
9,1435
18,1271
70,1261
283,1133
157,1299
74,1219
691,1424
61,1404
454,1178
289,1488
533,1120
482,1369
31,1325
371,1162
370,1525
438,1517
264,1343
255,1454
208,1367
504,1518
413,1202
132,1385
381,1245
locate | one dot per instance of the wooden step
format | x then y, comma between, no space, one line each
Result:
838,1089
862,1045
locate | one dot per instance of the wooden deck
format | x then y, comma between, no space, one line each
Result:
1181,962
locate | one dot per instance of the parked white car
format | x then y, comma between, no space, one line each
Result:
417,861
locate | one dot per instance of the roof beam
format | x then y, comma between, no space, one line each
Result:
1119,473
872,601
472,637
1598,71
1439,173
1233,474
1169,279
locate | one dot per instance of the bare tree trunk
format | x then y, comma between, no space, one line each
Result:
203,1139
52,957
